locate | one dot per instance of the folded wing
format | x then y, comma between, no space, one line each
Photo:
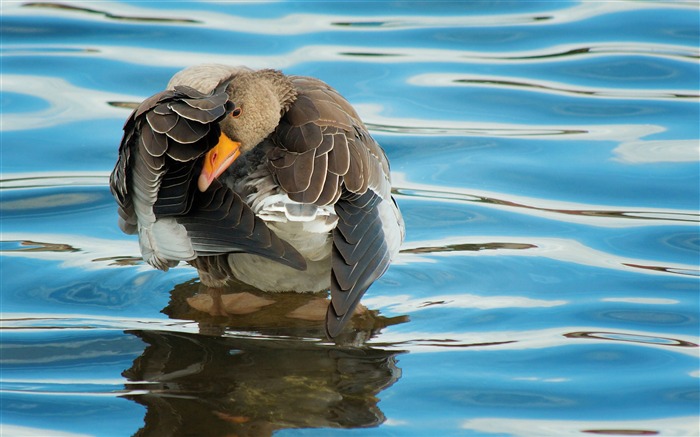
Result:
324,155
154,183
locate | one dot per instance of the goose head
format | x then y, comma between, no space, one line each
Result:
260,99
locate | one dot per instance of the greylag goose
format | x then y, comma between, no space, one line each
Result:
256,176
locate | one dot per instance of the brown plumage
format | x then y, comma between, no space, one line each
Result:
306,207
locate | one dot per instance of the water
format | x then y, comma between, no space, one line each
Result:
545,157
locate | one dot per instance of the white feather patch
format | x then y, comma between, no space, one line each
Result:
299,212
165,243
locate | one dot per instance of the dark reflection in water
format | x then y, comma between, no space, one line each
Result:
565,90
471,131
369,54
686,272
253,373
621,431
465,197
125,105
216,386
35,246
633,338
362,23
295,315
470,247
109,15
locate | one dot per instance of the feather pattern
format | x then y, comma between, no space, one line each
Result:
154,183
350,171
313,193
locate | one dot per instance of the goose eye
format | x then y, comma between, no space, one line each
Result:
236,112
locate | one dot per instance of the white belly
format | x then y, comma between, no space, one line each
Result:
307,228
271,276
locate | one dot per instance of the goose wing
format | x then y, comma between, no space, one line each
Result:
154,183
324,155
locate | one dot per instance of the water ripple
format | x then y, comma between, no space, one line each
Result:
443,79
544,156
633,338
678,426
71,105
594,215
112,16
53,179
570,251
424,342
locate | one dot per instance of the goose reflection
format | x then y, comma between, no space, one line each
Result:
252,374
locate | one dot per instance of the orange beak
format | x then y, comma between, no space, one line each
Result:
218,159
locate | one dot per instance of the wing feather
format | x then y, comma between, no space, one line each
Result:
162,123
350,171
322,155
316,183
339,155
186,108
154,143
296,176
331,190
188,131
155,178
221,222
360,255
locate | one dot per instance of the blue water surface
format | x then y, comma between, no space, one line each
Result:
544,155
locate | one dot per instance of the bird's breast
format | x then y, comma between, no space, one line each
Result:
307,228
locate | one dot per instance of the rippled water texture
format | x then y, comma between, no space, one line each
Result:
545,156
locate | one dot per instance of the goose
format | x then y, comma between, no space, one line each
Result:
258,177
